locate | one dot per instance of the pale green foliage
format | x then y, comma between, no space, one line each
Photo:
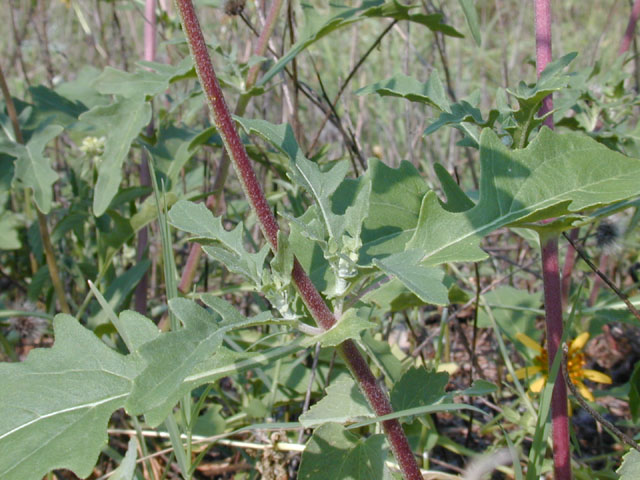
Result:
630,468
555,175
33,169
343,403
333,452
58,396
120,123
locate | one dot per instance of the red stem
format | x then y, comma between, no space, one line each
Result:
631,28
551,273
543,50
214,202
553,313
269,226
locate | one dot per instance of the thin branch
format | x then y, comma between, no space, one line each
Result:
582,254
583,403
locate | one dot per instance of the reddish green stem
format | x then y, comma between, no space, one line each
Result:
553,314
269,226
631,28
214,202
551,273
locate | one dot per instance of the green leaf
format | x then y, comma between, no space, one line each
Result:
350,326
137,328
380,353
333,452
462,112
471,15
170,358
394,209
232,318
398,11
630,468
530,97
120,122
127,468
50,105
555,175
228,246
33,170
343,403
173,356
141,83
9,225
58,396
457,200
479,388
174,147
425,282
430,92
321,185
418,387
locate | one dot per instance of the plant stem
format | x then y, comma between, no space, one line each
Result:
631,28
543,50
269,226
553,317
551,272
42,220
214,201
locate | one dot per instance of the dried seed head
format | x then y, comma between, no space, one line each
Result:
234,7
606,234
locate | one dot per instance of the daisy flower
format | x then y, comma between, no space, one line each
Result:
575,366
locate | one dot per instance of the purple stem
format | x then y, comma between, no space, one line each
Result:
631,28
214,202
553,314
543,50
269,226
551,273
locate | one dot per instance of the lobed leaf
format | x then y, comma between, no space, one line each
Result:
120,122
430,92
556,174
54,406
33,170
228,248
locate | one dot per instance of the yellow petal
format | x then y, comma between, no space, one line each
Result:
584,391
537,385
596,376
529,342
578,343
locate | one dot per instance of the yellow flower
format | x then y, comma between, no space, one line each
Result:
575,366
